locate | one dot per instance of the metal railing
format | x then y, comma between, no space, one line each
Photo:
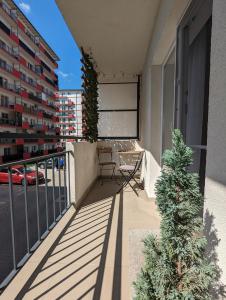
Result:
9,86
36,195
9,50
8,122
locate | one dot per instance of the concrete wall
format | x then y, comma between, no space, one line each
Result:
215,188
83,169
163,38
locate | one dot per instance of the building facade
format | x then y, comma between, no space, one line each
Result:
70,112
28,84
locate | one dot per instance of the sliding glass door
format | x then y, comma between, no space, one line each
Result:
193,64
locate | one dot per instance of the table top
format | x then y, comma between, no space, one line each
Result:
131,152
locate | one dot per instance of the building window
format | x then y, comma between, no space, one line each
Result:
168,101
7,151
4,101
5,116
26,149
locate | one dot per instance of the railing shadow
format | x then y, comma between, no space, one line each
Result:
97,209
217,288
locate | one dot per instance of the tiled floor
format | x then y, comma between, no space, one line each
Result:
99,252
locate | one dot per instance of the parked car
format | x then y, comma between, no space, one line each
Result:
59,163
41,164
18,175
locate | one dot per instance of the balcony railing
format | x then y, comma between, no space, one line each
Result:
35,98
6,105
7,122
27,80
44,205
6,67
47,116
30,110
9,86
7,141
9,50
10,13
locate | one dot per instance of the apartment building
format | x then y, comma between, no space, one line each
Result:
28,84
70,112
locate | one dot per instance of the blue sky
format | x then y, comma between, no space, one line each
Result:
47,19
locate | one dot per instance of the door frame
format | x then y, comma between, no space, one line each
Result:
182,66
171,49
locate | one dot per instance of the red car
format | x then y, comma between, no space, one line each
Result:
18,175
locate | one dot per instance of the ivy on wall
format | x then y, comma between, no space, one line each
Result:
90,113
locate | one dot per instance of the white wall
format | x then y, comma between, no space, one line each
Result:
117,96
83,169
215,188
163,37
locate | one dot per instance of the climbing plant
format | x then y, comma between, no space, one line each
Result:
90,114
176,267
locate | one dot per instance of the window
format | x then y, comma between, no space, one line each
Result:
5,116
168,101
4,101
26,149
7,151
193,67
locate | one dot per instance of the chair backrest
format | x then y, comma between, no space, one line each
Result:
139,161
133,158
104,152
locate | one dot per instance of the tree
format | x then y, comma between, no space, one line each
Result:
175,266
90,98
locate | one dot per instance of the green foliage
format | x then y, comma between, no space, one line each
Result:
175,265
90,114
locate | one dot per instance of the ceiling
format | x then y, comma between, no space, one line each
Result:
117,32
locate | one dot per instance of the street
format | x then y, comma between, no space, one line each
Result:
6,258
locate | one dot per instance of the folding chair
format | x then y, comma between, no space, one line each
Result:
130,170
105,161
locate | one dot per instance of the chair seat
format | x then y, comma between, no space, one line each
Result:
107,163
127,168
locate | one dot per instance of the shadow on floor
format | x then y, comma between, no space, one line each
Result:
74,266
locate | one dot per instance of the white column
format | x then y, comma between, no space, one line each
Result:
215,188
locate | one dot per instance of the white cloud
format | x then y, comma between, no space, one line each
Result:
62,74
25,7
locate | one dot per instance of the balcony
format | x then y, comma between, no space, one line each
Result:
9,87
7,105
30,110
19,141
25,125
47,116
6,67
9,51
7,141
34,98
8,123
93,235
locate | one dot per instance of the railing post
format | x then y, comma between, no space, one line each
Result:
37,202
12,217
24,182
59,177
54,196
65,183
46,197
69,179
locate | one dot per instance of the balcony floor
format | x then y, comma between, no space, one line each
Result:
99,252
